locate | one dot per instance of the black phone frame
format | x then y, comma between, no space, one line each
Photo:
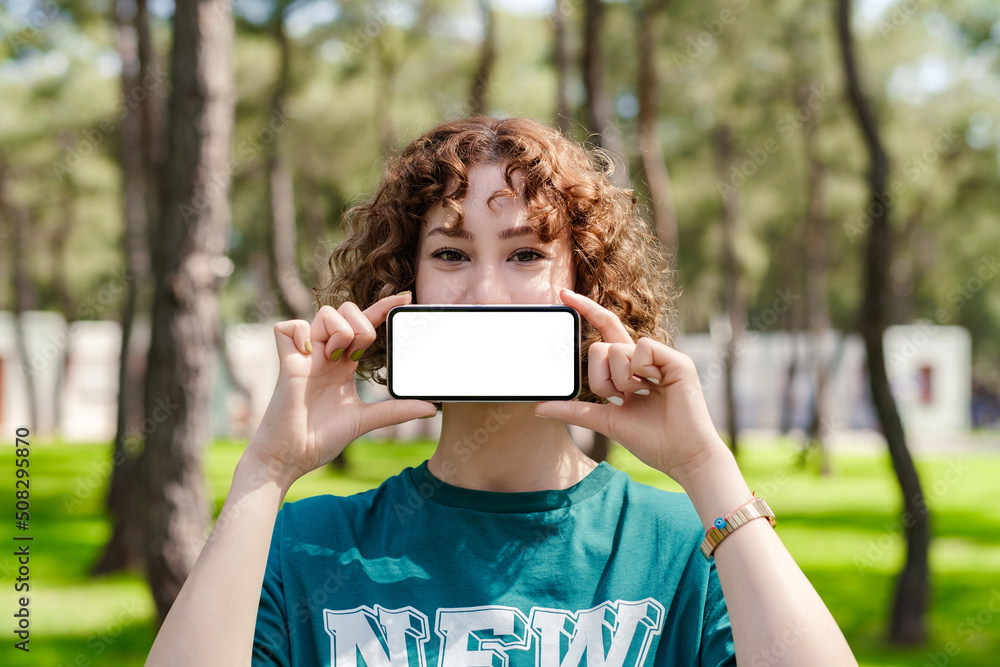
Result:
577,370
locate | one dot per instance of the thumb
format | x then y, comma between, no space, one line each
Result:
393,411
578,413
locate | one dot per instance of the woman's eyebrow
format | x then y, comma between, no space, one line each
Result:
503,235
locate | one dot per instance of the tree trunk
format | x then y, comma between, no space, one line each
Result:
124,549
650,153
911,595
386,85
788,393
487,58
189,264
154,114
597,111
68,196
561,58
25,298
734,302
297,297
597,116
815,239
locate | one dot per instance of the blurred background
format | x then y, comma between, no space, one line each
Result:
172,179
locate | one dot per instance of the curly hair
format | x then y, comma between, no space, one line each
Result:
620,263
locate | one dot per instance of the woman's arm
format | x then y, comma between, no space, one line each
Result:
212,620
776,615
314,413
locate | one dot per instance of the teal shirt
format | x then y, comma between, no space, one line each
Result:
420,573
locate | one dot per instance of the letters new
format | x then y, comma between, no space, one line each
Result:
612,634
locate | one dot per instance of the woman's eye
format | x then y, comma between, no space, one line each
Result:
523,256
446,251
530,253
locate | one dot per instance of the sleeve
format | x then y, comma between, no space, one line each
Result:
717,647
271,645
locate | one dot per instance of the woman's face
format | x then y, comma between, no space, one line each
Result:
484,267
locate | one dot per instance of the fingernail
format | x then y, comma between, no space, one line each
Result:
568,291
402,293
336,354
429,416
653,380
309,346
543,417
357,355
642,392
616,400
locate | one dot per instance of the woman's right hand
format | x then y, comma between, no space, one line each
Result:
315,411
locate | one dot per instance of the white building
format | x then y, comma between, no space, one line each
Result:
75,370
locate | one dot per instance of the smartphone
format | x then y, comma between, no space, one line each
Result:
467,353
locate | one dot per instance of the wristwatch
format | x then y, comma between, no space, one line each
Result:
754,510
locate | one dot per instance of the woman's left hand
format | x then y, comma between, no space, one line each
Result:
669,427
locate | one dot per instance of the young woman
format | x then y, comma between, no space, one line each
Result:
509,547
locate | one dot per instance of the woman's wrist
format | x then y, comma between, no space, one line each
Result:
715,485
255,471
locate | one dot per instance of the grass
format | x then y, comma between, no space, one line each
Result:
843,530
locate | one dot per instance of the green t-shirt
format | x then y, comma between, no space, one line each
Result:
420,573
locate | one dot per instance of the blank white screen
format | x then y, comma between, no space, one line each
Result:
487,353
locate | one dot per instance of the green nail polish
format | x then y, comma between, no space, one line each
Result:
357,355
336,354
402,293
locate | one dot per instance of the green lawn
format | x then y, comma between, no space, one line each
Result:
843,530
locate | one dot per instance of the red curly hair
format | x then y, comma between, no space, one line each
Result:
620,263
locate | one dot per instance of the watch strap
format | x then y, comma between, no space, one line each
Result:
756,509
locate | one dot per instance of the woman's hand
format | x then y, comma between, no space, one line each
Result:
663,418
315,411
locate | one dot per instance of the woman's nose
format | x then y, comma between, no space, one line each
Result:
489,286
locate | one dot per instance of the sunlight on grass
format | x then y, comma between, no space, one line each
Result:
844,531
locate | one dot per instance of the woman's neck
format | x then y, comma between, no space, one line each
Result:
505,447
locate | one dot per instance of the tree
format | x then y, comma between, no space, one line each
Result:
650,152
912,585
124,549
284,267
189,264
560,59
487,59
597,110
24,295
735,303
